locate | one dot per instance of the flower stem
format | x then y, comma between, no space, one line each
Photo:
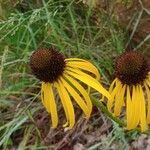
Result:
100,105
103,108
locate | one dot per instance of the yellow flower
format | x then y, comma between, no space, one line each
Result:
63,75
131,88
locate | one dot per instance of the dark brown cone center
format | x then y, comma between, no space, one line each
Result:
131,68
47,64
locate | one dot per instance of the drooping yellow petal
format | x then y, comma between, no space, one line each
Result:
113,95
67,104
111,88
49,103
82,91
45,98
112,85
135,106
119,100
84,65
142,110
116,89
87,79
148,107
77,98
129,109
63,104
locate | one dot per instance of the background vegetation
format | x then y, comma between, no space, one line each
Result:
84,29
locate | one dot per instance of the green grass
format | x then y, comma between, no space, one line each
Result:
75,30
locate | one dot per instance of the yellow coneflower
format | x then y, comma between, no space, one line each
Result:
63,75
131,88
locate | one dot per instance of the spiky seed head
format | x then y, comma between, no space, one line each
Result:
47,64
131,68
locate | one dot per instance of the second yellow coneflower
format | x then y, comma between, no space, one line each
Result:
63,75
131,88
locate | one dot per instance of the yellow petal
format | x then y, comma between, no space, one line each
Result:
119,100
113,95
142,110
45,98
82,91
77,98
112,85
87,66
63,104
87,79
116,89
136,107
129,109
67,104
50,103
148,107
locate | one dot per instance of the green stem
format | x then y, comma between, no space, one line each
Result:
100,105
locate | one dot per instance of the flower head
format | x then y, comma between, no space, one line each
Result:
131,88
47,64
131,68
66,77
